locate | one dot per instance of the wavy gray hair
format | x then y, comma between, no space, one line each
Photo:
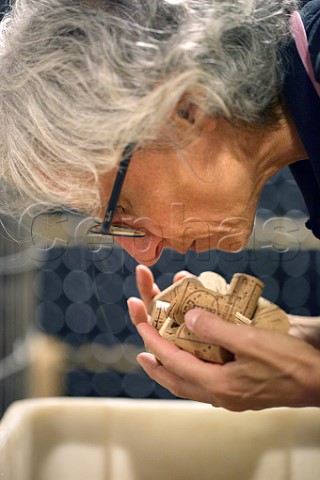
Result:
81,79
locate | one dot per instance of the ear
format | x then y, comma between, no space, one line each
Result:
187,114
187,111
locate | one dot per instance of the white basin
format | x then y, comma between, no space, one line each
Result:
126,439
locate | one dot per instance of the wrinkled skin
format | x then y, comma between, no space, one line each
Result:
201,196
286,373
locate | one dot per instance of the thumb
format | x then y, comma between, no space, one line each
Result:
214,330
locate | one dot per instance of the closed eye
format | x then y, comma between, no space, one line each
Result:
121,209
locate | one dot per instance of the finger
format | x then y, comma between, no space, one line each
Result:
181,275
146,286
137,310
176,385
177,361
242,340
239,339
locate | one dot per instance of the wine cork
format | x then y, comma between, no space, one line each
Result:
168,294
169,330
159,314
241,319
248,290
192,295
213,281
271,317
187,287
206,351
238,303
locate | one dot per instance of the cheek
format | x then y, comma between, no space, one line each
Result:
151,225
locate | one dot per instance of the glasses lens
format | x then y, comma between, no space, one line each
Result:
116,231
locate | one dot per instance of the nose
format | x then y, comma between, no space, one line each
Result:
146,250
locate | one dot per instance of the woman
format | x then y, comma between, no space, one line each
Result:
206,100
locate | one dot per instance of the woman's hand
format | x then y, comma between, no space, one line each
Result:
304,328
146,286
270,369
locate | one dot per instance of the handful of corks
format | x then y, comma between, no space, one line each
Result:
239,303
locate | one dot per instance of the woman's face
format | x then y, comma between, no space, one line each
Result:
200,197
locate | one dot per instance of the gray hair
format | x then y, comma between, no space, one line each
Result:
81,79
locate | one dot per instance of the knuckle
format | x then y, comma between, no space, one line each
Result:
250,337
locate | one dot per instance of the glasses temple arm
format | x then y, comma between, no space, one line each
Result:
114,197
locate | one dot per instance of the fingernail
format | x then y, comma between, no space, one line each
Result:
132,307
191,318
147,359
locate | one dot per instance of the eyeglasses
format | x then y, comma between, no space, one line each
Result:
105,226
68,227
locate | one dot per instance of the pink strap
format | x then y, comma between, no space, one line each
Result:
301,41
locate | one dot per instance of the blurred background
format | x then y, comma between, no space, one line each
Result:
64,326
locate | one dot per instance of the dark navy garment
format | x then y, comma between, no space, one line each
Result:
4,7
304,105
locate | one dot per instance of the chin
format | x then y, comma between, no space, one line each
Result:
226,243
